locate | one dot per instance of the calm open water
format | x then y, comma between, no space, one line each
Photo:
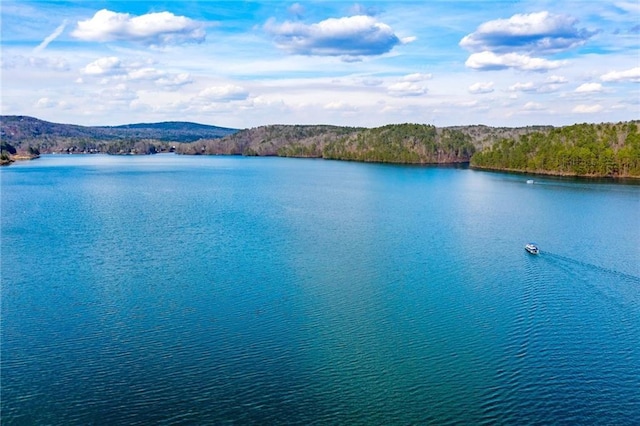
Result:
171,290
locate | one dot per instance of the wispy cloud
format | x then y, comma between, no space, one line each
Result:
550,84
54,35
36,62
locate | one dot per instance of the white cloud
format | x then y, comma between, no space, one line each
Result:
340,106
145,73
104,66
55,34
224,93
45,103
556,79
550,84
534,32
632,75
353,36
407,88
296,9
589,88
628,6
160,28
587,109
491,61
523,87
533,106
480,87
112,70
371,82
417,77
119,93
48,103
175,80
37,62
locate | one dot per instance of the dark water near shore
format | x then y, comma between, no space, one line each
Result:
173,290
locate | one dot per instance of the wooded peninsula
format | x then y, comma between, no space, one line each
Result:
589,150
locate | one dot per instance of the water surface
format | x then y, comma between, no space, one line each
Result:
171,290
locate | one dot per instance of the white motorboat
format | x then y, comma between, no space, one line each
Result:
532,248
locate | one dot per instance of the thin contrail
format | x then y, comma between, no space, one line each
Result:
50,38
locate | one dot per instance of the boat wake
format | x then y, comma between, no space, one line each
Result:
589,266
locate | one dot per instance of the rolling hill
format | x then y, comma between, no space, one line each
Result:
19,130
606,149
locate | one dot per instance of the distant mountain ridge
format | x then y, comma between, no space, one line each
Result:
19,130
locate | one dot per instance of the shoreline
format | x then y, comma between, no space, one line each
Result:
553,174
546,173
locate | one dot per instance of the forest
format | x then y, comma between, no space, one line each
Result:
590,150
607,149
404,144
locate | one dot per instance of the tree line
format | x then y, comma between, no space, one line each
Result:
403,143
606,149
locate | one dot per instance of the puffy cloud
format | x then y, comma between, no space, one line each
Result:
352,36
174,80
589,88
145,73
540,32
407,88
523,87
410,85
111,69
556,79
533,106
48,103
491,61
45,103
340,106
104,66
225,93
481,87
160,28
587,109
632,75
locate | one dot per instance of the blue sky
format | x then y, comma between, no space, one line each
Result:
249,63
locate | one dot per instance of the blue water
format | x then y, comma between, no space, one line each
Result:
188,290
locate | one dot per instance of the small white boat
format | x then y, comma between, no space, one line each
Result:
529,181
532,248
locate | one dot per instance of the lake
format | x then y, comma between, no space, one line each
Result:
188,290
